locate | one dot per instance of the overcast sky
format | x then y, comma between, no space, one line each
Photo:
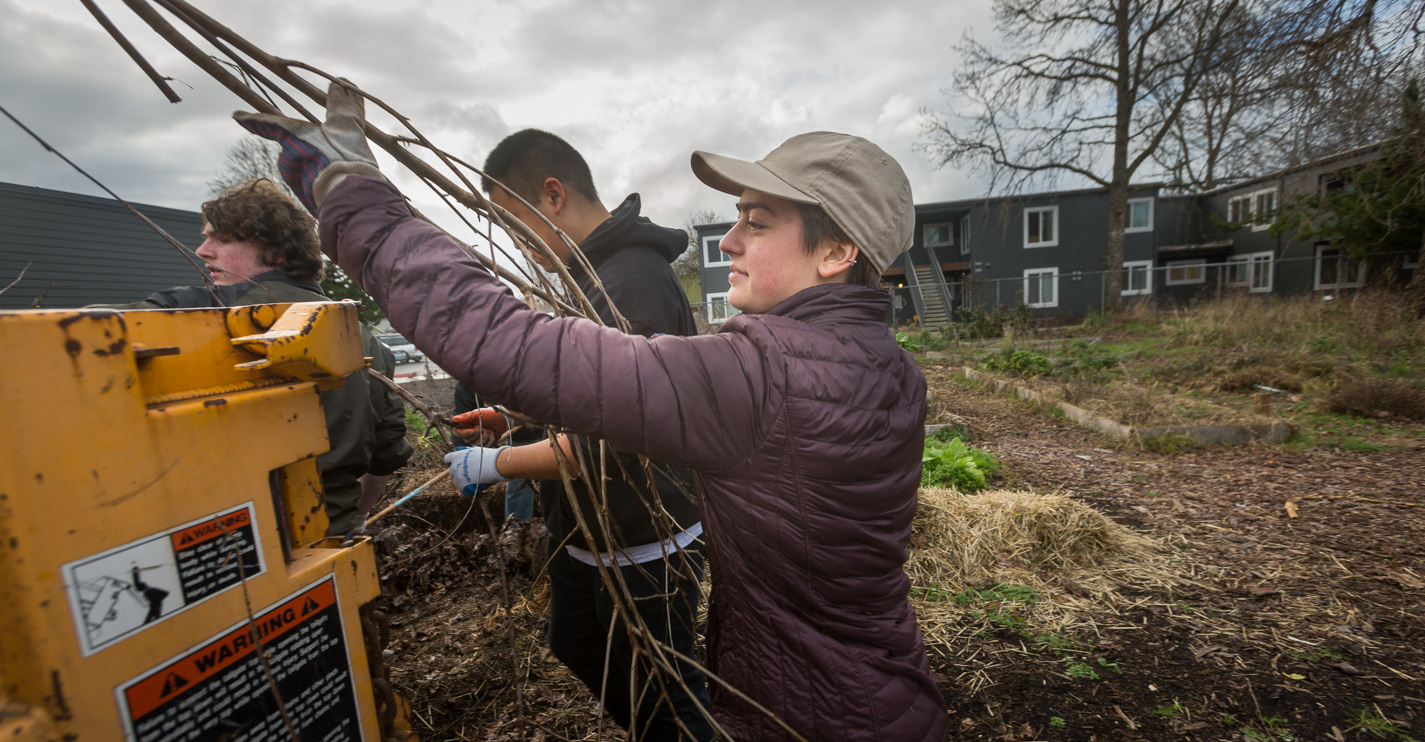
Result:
635,85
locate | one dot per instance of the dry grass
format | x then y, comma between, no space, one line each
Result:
1370,322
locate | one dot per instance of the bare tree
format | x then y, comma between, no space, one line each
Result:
1304,79
250,159
1342,67
1218,136
1084,87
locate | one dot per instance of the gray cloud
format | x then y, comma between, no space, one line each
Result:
635,85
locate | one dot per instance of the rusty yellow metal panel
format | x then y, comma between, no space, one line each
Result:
301,485
160,566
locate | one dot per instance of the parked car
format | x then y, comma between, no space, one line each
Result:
404,350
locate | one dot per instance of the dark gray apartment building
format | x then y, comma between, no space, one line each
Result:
69,250
1046,250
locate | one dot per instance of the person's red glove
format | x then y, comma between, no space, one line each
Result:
481,426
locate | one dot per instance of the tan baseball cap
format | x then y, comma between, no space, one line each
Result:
863,189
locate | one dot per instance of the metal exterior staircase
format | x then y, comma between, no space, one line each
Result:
931,295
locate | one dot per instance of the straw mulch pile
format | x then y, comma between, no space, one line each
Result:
1025,565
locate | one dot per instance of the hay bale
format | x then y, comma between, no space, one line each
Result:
961,540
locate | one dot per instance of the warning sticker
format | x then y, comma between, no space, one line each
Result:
220,690
126,589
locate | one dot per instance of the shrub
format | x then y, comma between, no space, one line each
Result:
1370,396
982,325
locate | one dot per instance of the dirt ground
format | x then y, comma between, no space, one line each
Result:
1299,615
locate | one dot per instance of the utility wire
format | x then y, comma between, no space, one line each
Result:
182,250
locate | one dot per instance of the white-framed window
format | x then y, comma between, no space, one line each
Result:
1257,208
1336,270
1264,209
719,311
712,256
1041,287
1238,271
1261,272
1181,272
1137,277
1140,215
939,235
965,236
1041,226
1253,270
1239,209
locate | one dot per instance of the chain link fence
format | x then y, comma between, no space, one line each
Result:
1051,292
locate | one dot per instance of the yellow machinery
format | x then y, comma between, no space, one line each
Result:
164,571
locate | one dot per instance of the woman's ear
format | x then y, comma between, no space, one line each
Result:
835,265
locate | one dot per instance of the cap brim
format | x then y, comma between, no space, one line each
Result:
733,176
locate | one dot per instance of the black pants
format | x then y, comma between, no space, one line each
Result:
581,619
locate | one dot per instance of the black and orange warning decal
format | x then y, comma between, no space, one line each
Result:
121,591
220,691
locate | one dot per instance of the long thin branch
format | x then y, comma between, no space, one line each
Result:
159,80
11,284
431,415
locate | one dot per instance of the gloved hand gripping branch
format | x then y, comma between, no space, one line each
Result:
482,426
316,157
473,469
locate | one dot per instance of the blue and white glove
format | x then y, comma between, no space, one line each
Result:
473,469
315,157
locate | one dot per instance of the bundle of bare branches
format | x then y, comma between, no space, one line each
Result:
267,83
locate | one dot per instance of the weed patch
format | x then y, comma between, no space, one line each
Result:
1374,723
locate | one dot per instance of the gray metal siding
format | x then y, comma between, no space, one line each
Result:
1080,236
715,278
86,250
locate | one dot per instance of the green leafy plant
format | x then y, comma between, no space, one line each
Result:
1076,669
1018,362
1169,711
954,464
926,340
1057,722
417,423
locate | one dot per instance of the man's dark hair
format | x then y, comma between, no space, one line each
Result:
817,225
260,212
526,158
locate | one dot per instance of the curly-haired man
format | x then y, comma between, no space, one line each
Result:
260,247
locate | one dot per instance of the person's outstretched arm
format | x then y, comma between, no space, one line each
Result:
687,401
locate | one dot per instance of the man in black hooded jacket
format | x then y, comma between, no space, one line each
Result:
654,532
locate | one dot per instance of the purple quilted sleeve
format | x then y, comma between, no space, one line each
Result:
689,401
